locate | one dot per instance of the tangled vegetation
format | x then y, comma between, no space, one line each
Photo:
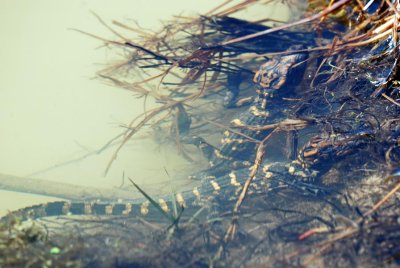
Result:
350,89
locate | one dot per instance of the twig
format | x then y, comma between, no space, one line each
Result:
61,190
135,129
390,99
154,54
230,233
289,25
383,200
109,144
218,7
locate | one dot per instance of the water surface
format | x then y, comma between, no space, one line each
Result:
53,110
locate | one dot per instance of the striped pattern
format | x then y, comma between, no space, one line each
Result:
227,186
269,176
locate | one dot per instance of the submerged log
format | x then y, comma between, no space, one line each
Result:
61,190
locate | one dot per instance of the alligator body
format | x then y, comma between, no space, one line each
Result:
224,189
221,181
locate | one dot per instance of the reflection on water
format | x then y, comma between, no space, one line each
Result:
53,112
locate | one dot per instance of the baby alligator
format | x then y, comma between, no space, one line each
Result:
225,188
225,185
272,76
270,176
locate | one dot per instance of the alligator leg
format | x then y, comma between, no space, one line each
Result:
231,100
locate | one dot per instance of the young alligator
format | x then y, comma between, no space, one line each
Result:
270,176
270,78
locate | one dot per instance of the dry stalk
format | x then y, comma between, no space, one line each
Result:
285,125
289,25
231,231
383,200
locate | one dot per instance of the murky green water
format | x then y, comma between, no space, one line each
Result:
53,111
